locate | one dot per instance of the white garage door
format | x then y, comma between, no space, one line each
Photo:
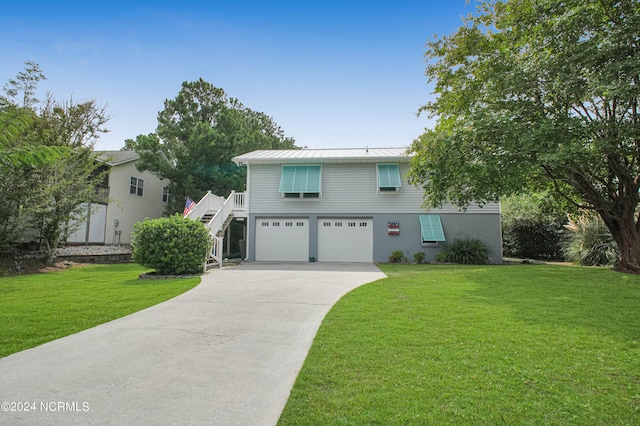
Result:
345,240
282,239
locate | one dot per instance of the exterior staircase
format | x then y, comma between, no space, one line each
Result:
206,218
216,213
225,225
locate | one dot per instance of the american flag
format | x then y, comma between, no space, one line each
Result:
190,205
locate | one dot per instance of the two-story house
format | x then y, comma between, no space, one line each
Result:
126,196
348,205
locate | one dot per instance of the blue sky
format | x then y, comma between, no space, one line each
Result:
331,74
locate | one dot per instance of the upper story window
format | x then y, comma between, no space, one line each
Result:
389,178
136,186
165,194
301,181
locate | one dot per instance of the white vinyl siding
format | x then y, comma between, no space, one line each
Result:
128,209
347,188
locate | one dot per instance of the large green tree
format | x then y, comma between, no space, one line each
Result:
532,94
47,164
198,134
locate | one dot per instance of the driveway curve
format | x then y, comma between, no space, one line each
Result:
224,353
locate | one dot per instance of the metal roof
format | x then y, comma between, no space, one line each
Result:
348,155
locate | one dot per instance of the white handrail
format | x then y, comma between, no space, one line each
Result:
234,203
206,203
239,200
217,221
216,253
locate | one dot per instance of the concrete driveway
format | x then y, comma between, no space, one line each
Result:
225,353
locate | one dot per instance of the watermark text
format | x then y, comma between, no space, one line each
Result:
45,406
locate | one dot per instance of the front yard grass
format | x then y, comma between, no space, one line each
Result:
452,345
38,308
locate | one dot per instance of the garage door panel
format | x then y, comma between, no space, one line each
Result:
282,239
345,240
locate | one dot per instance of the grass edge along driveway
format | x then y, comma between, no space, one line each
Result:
39,308
441,344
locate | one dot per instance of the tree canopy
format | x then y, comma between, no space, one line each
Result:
47,164
198,134
541,94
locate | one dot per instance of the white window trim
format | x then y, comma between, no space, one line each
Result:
378,188
301,196
139,186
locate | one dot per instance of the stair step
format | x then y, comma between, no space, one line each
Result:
206,218
224,226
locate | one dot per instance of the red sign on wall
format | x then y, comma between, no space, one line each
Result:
393,228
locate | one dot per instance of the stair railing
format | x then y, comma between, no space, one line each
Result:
216,252
216,224
206,203
239,201
223,208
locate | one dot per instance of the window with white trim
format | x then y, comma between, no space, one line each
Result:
136,186
301,182
165,194
388,177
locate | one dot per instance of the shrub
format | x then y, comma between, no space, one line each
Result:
590,242
471,251
532,226
418,257
171,246
397,256
537,239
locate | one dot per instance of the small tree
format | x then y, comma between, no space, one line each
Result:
171,246
47,164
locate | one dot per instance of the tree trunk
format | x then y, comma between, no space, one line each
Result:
625,233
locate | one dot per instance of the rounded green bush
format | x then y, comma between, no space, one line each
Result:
171,245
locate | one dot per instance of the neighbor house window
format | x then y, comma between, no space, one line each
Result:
389,178
136,186
165,194
431,229
300,181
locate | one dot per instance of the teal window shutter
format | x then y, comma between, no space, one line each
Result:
389,176
300,179
431,228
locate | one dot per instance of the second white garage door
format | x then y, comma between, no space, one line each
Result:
345,240
282,239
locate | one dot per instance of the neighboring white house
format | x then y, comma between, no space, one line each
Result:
346,205
129,196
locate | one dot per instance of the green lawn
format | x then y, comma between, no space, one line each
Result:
454,345
38,308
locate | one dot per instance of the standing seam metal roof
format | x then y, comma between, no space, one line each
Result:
319,155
